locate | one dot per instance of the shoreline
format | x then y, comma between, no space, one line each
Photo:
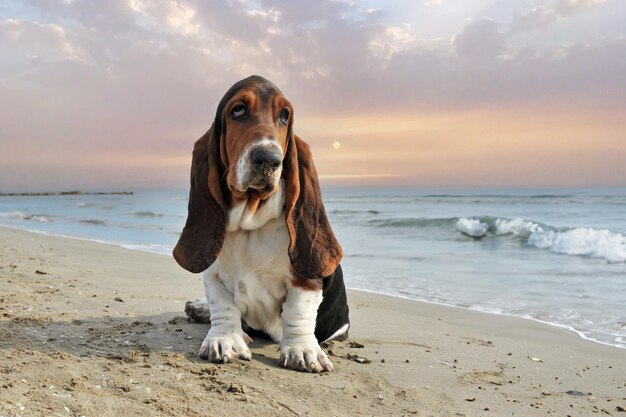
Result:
100,330
559,326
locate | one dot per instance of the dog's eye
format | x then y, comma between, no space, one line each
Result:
283,117
238,111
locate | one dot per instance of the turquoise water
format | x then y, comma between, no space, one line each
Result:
557,256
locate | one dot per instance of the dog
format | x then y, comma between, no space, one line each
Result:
258,232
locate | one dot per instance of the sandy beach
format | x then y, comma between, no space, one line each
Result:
97,330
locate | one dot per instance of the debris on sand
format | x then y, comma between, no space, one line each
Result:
38,272
356,345
118,299
178,320
235,388
575,393
356,358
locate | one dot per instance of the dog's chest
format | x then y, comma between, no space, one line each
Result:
254,266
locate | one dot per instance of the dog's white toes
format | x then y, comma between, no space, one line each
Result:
309,359
204,351
310,356
296,360
325,362
225,349
246,356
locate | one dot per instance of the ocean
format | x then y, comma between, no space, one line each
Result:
556,256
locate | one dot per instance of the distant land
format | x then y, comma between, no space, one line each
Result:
50,193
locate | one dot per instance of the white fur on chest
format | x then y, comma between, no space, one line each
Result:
254,265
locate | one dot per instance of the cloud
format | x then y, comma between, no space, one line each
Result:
143,58
430,3
479,40
80,78
569,7
33,41
392,40
540,17
536,18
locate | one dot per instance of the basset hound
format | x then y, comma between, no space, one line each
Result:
257,230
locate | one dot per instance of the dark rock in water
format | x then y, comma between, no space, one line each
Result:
147,214
575,393
96,222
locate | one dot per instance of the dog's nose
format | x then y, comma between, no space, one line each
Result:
266,158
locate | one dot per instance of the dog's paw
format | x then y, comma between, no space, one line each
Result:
198,310
224,349
305,358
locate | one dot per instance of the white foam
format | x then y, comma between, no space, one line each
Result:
152,248
582,241
18,215
472,227
619,342
42,219
166,250
516,226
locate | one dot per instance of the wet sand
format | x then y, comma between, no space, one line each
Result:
97,330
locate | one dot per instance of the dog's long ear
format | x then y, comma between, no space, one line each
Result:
201,240
313,250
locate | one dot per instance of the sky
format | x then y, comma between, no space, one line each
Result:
428,93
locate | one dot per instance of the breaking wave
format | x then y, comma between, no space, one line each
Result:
580,241
18,215
472,227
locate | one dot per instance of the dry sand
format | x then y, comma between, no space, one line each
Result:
96,330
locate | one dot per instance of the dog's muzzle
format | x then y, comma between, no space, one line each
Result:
264,162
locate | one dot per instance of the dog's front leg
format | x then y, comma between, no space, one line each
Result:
225,341
299,348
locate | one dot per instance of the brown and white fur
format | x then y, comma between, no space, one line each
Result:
258,232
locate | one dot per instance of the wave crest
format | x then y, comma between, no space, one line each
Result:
472,227
517,226
582,241
19,215
578,241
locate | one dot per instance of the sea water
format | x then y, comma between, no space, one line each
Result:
557,256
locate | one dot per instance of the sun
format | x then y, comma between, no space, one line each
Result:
336,145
